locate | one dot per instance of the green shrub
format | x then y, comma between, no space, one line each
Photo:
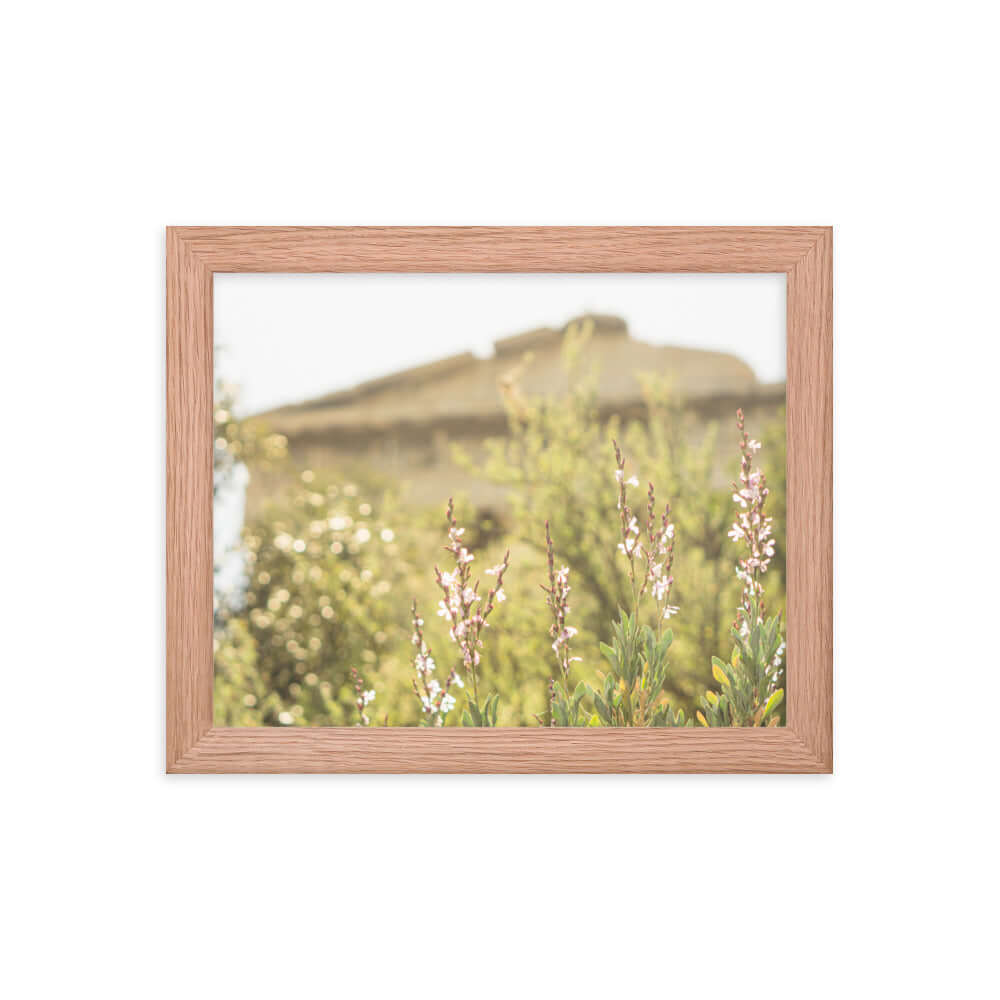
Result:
337,570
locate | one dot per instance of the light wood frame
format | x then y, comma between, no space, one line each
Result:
804,255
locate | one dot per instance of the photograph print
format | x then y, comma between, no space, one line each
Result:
499,500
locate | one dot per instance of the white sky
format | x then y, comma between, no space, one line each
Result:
283,338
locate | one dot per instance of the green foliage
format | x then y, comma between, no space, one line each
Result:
242,697
747,694
326,585
568,710
473,715
552,463
332,566
637,660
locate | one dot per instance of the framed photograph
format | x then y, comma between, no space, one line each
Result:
499,500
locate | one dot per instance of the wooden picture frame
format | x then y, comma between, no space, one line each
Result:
195,254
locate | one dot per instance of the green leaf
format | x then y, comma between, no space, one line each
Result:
773,702
718,673
602,709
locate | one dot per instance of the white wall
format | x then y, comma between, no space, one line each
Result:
121,118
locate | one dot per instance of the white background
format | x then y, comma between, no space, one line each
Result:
879,119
